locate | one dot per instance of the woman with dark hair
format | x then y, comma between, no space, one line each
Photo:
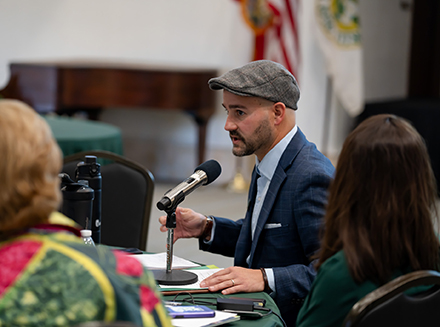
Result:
379,218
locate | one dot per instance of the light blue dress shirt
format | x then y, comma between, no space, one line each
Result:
265,168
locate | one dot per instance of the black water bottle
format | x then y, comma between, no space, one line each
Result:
90,170
77,201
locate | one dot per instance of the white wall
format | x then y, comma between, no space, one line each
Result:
386,39
196,32
204,33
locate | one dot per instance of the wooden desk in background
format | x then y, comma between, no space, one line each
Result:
68,86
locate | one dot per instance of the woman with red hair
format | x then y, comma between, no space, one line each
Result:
48,276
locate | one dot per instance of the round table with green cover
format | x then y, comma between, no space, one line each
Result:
75,135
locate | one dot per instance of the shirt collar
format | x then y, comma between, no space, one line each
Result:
267,166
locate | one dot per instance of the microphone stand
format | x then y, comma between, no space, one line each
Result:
168,276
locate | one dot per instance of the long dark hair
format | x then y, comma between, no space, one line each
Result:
382,202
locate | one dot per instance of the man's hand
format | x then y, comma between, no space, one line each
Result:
188,223
235,279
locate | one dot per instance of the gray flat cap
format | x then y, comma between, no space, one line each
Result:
264,79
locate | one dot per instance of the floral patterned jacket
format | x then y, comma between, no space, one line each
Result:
49,277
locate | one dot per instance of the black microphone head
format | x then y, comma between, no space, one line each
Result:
212,170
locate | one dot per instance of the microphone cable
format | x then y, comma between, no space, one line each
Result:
196,301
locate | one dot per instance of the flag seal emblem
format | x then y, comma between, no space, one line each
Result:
339,21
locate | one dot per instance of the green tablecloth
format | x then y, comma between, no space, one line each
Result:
75,135
268,321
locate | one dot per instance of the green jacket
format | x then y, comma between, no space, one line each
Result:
333,294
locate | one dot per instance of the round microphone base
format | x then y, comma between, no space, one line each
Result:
175,277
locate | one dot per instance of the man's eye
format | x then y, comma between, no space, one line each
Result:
240,113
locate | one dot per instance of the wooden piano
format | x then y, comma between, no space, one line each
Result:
69,86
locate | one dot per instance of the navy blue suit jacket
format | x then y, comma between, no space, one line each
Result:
287,232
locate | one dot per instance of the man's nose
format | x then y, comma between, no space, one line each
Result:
229,125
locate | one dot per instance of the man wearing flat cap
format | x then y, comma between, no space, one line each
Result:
273,245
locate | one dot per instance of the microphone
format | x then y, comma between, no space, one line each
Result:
204,174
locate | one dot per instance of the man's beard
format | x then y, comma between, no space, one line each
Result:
261,136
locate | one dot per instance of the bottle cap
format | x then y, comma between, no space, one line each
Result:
86,233
90,159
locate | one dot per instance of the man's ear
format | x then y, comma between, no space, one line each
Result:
279,110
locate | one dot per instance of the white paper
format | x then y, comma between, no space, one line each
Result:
159,261
220,318
201,274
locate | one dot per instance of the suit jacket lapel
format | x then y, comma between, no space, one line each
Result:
278,178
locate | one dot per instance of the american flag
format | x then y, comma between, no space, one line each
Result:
275,25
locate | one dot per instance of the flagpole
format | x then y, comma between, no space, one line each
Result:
327,110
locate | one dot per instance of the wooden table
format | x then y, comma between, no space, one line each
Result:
69,86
